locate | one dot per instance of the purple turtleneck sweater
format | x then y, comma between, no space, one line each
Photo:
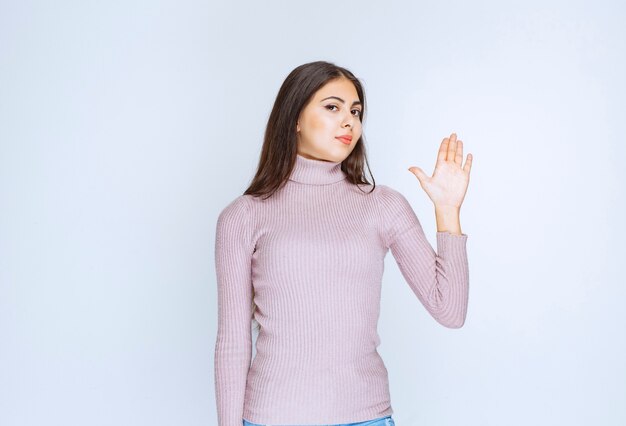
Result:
314,255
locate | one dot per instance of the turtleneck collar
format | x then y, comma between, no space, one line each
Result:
316,172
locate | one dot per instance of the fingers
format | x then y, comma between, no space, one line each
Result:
452,147
443,150
468,163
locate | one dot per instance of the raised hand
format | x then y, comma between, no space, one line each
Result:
448,184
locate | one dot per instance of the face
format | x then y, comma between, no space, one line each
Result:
333,111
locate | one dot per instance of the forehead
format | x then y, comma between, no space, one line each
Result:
338,87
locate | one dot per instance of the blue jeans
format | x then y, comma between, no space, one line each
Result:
383,421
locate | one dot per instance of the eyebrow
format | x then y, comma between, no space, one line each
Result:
341,100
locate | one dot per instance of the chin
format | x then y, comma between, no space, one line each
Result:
335,158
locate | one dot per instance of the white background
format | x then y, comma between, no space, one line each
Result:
126,127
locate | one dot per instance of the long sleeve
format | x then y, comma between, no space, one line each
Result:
233,346
439,279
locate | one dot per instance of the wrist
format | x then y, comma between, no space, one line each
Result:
447,208
447,218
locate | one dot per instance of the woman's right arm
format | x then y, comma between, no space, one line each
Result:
233,347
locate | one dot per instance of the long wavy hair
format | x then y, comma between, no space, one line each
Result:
279,151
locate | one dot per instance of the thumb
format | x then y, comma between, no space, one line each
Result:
421,176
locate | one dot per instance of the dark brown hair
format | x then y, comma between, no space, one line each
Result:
278,154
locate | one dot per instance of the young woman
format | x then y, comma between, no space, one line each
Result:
302,251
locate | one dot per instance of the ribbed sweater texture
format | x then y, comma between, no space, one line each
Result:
313,254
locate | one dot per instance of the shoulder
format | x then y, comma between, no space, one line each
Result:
377,191
237,210
388,197
393,206
384,197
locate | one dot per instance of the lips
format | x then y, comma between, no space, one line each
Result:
345,139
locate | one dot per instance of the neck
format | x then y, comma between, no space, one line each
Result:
316,172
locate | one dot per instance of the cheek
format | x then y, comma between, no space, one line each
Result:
323,123
358,129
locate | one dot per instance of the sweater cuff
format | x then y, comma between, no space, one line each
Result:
451,245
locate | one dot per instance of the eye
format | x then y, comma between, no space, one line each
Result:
335,106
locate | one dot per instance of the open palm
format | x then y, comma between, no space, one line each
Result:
448,184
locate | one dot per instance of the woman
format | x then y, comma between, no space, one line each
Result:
302,251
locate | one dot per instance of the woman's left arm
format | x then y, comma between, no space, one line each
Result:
440,279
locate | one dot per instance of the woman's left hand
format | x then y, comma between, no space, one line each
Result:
448,184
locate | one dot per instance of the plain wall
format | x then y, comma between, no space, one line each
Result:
126,127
